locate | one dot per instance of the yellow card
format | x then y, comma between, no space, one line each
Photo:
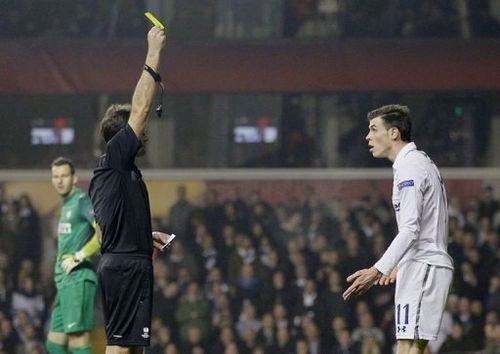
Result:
154,20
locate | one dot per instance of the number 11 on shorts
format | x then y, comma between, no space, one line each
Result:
406,309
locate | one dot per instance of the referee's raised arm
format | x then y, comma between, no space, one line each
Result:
146,86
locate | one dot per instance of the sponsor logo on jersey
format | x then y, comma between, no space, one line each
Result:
397,206
68,214
407,183
64,228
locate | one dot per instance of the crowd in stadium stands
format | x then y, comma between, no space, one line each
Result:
247,276
301,18
393,18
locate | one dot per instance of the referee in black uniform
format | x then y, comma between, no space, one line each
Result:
121,204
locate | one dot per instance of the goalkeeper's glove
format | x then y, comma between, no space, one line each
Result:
71,261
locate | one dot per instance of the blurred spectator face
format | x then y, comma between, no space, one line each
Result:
249,311
194,335
267,321
476,308
456,331
227,335
28,286
334,280
310,287
488,193
282,336
362,308
469,240
464,305
344,339
215,275
63,180
230,211
473,255
258,350
171,349
352,245
301,347
279,312
494,284
339,324
248,334
181,192
5,327
366,321
228,234
452,304
491,318
198,350
492,239
311,331
485,223
331,257
192,292
156,324
319,244
164,335
257,229
278,280
472,216
22,318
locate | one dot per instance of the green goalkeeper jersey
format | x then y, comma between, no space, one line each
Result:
74,230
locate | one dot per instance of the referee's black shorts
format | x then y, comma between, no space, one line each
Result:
126,286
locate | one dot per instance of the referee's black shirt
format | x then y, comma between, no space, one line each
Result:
120,198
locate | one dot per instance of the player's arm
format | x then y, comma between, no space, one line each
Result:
411,201
145,89
71,261
411,185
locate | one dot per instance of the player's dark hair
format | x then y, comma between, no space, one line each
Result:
394,116
61,161
115,118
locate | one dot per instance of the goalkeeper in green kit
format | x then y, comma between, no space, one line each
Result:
78,238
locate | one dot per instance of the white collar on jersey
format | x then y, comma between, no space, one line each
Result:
403,152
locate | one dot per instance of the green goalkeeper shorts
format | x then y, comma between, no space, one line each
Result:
74,308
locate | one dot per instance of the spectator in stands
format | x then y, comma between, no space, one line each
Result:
180,213
26,298
192,312
28,242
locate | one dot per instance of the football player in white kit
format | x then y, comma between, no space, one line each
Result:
417,257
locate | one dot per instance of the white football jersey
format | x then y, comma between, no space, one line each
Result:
419,200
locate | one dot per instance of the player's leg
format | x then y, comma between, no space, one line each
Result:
56,339
78,305
56,343
420,302
408,346
79,343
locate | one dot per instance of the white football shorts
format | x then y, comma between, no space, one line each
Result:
420,299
